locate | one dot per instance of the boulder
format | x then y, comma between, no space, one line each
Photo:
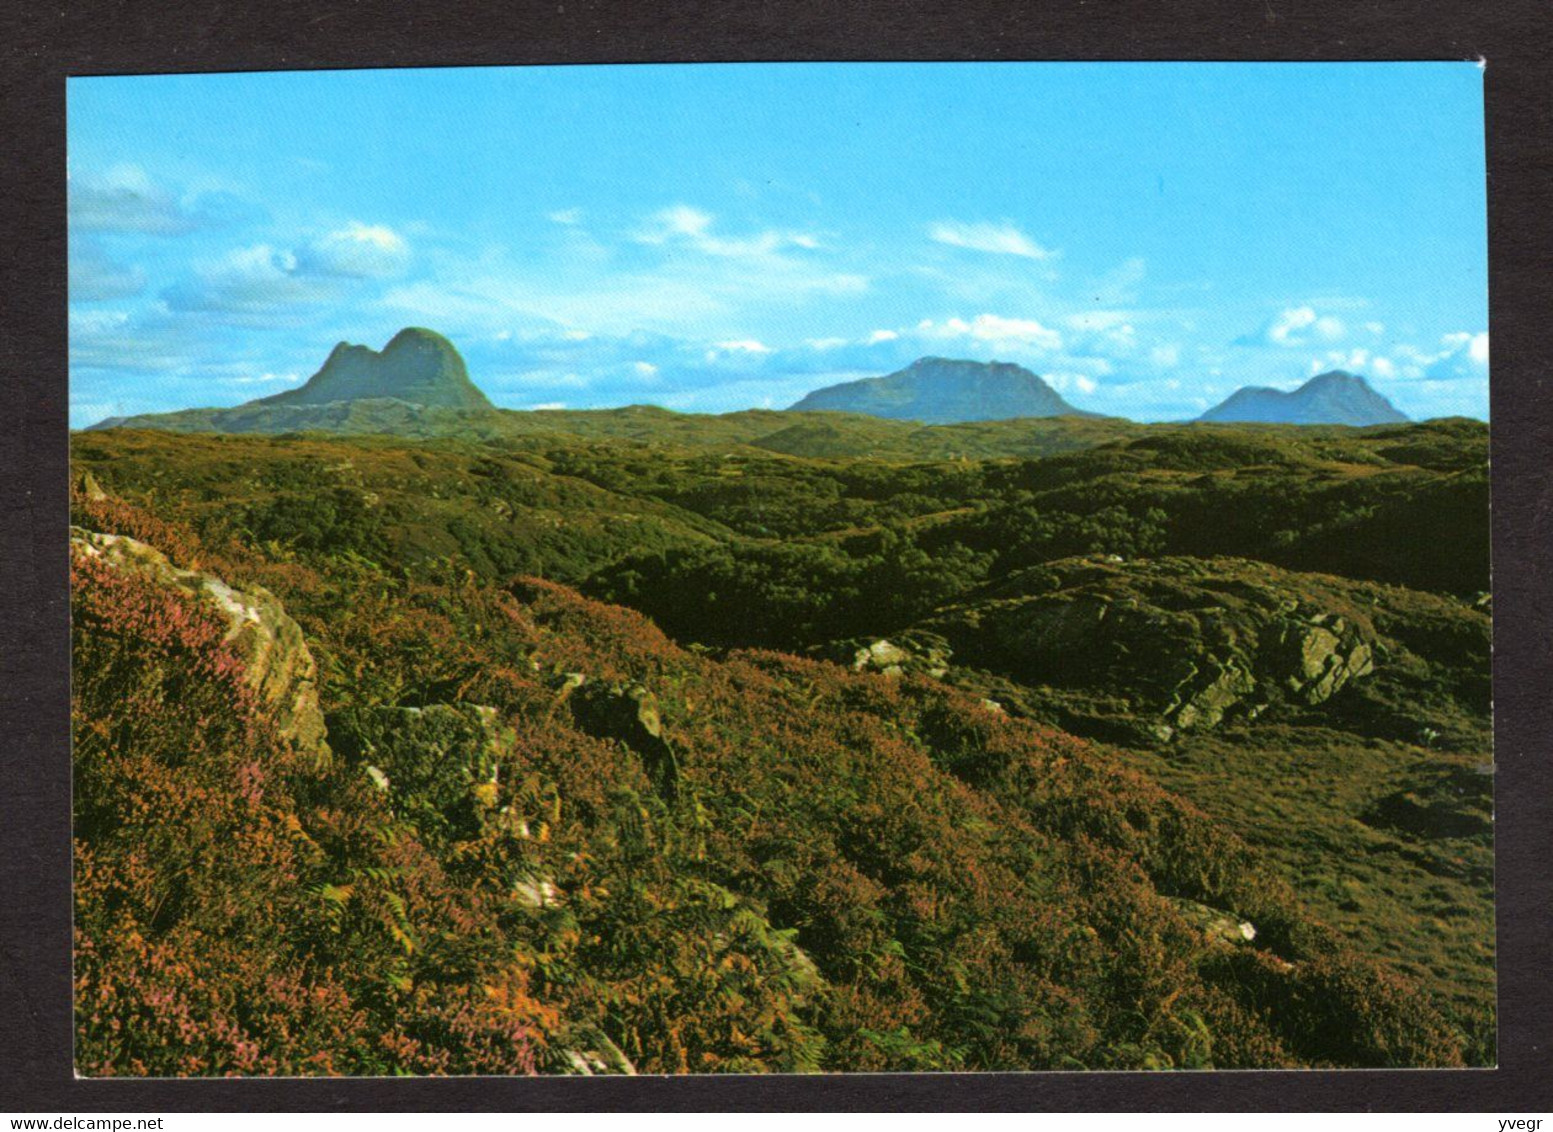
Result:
914,653
88,487
629,714
439,765
881,656
600,1056
276,661
1217,925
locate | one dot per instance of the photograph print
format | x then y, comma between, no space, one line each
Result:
780,568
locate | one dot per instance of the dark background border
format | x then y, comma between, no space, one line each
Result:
39,48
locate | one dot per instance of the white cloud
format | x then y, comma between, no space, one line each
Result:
1477,348
125,198
565,216
690,227
1095,320
644,369
266,279
1121,339
680,219
1286,327
1121,284
357,251
998,239
1462,355
882,336
1356,360
994,328
1071,382
268,379
247,281
1297,327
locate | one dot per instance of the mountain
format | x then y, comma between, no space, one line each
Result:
418,366
417,386
946,391
1330,398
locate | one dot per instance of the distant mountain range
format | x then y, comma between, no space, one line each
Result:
1329,398
946,391
419,386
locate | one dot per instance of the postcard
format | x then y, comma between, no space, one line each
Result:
780,568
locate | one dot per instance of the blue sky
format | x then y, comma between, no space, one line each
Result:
1149,237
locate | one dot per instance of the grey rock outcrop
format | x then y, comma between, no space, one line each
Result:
1217,925
440,764
277,663
630,715
1185,641
913,653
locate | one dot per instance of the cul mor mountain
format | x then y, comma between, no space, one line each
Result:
418,384
946,391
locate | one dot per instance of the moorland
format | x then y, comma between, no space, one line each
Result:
638,741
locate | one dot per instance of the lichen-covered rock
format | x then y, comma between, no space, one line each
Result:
440,765
1217,925
1185,641
276,660
881,655
629,714
601,1057
913,653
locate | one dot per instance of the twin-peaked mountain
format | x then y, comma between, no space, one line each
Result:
418,366
1329,398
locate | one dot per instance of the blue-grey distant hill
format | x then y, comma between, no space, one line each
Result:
1329,398
946,391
